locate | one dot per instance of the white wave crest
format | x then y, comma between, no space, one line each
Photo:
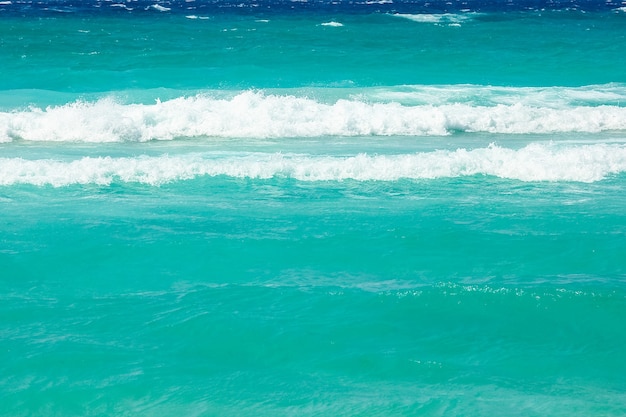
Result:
256,115
449,18
159,8
332,24
535,162
122,6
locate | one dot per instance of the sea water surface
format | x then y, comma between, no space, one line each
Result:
268,208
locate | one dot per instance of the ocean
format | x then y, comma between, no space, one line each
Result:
312,208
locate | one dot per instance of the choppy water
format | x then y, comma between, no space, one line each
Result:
312,208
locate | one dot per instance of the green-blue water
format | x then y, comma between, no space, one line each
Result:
310,209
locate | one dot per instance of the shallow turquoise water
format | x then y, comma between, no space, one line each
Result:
312,213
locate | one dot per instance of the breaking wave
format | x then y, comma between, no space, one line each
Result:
535,162
254,114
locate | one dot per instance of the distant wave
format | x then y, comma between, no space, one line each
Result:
252,114
289,6
159,8
535,162
447,18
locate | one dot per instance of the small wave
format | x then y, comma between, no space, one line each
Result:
535,162
253,114
159,8
549,97
122,6
332,24
447,18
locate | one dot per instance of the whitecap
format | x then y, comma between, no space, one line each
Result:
535,162
449,18
159,8
332,24
254,114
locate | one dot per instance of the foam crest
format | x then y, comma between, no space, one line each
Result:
159,8
535,162
257,115
448,18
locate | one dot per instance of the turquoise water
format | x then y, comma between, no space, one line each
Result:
97,53
302,208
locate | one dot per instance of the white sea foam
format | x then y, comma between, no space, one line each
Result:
422,18
159,8
535,162
448,18
121,5
257,115
332,24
